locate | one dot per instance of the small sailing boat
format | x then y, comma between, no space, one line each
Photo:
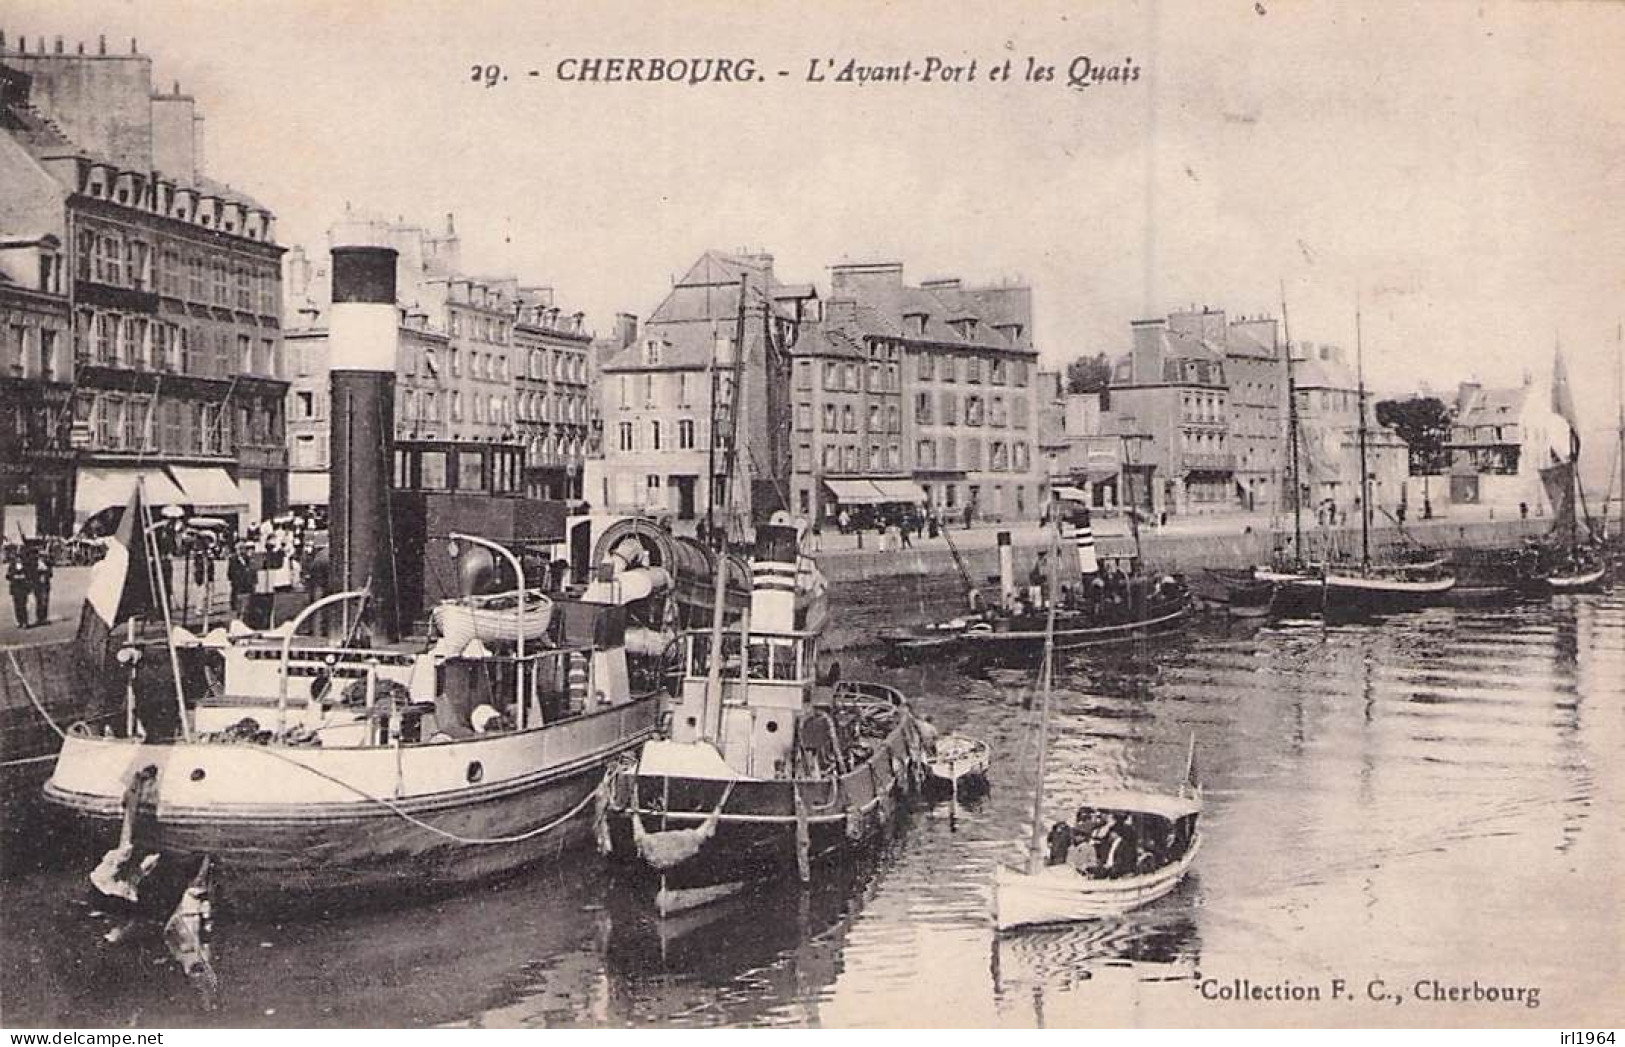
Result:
1130,847
1570,565
959,762
1361,586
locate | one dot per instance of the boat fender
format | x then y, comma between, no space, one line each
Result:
854,824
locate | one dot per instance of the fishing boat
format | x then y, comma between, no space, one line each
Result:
1570,564
1115,602
767,771
1131,847
1357,586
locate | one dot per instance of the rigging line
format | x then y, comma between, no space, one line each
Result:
11,655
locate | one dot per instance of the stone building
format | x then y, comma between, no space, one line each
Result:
36,388
172,279
480,360
943,396
1500,439
1329,440
658,401
551,401
1170,395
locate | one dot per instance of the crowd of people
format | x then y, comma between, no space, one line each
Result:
1110,844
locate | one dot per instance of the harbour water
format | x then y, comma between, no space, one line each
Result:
1432,798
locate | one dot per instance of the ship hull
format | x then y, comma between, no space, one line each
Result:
300,828
756,827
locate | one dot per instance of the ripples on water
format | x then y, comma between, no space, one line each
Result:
1435,796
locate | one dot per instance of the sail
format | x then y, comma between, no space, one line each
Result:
1558,480
1563,402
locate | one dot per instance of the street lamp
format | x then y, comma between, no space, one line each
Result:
519,611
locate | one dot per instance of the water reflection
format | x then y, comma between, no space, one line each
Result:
1407,797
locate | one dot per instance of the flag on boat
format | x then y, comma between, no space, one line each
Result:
120,584
1563,402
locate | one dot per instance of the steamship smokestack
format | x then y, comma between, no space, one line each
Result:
362,334
1007,570
1088,560
773,578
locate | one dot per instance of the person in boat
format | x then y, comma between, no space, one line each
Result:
1060,843
1092,831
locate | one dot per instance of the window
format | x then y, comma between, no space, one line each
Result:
626,392
683,389
804,374
950,458
998,372
973,454
307,403
950,369
626,436
894,418
998,456
925,454
950,409
245,354
832,375
973,410
849,419
804,458
830,422
1022,459
853,378
973,369
654,435
648,384
997,416
1018,412
685,434
922,408
926,370
876,421
849,458
804,416
876,378
1018,371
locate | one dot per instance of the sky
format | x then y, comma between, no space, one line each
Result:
1453,170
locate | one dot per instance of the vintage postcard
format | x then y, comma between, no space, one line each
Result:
842,515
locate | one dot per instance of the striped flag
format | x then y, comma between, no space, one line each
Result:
120,584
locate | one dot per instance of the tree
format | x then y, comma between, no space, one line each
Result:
1423,422
1089,374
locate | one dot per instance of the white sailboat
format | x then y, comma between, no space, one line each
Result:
1117,876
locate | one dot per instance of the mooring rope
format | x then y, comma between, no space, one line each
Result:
474,841
11,655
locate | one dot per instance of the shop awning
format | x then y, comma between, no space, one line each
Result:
209,490
309,488
96,489
1068,493
905,491
855,492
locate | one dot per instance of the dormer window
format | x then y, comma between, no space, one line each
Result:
651,352
915,323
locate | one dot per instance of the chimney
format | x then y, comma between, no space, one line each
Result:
363,333
626,329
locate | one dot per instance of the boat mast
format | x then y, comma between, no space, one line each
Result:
712,725
1035,850
1619,367
1292,434
1365,474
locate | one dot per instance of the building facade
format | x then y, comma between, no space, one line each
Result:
1329,441
1170,404
479,360
36,390
1500,439
660,406
173,281
943,396
551,401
